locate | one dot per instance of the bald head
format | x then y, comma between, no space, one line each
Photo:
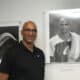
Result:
63,21
29,23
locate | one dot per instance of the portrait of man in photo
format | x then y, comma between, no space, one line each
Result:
64,41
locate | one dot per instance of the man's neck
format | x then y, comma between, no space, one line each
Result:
65,37
28,45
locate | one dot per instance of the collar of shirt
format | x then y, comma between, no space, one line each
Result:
35,50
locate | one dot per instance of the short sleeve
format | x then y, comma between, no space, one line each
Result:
5,63
8,57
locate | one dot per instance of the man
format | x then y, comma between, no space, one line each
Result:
65,46
24,61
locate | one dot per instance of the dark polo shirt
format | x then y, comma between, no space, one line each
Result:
21,64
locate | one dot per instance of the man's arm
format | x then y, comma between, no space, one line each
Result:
52,51
5,65
4,76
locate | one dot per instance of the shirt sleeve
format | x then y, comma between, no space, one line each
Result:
6,61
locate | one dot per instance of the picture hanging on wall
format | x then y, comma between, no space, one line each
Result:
9,33
62,36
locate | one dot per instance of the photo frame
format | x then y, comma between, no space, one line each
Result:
9,32
52,28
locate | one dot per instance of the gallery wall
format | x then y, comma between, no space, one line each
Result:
23,10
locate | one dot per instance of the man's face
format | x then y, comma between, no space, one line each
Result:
29,33
64,27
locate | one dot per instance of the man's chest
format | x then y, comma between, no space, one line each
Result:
27,61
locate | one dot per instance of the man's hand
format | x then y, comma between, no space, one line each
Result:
4,76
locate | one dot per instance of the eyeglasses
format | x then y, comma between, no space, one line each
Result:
64,24
30,30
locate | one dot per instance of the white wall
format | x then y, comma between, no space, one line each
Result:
22,10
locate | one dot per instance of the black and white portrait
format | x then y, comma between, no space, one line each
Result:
8,35
64,35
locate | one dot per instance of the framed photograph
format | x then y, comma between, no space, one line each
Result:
62,36
9,32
